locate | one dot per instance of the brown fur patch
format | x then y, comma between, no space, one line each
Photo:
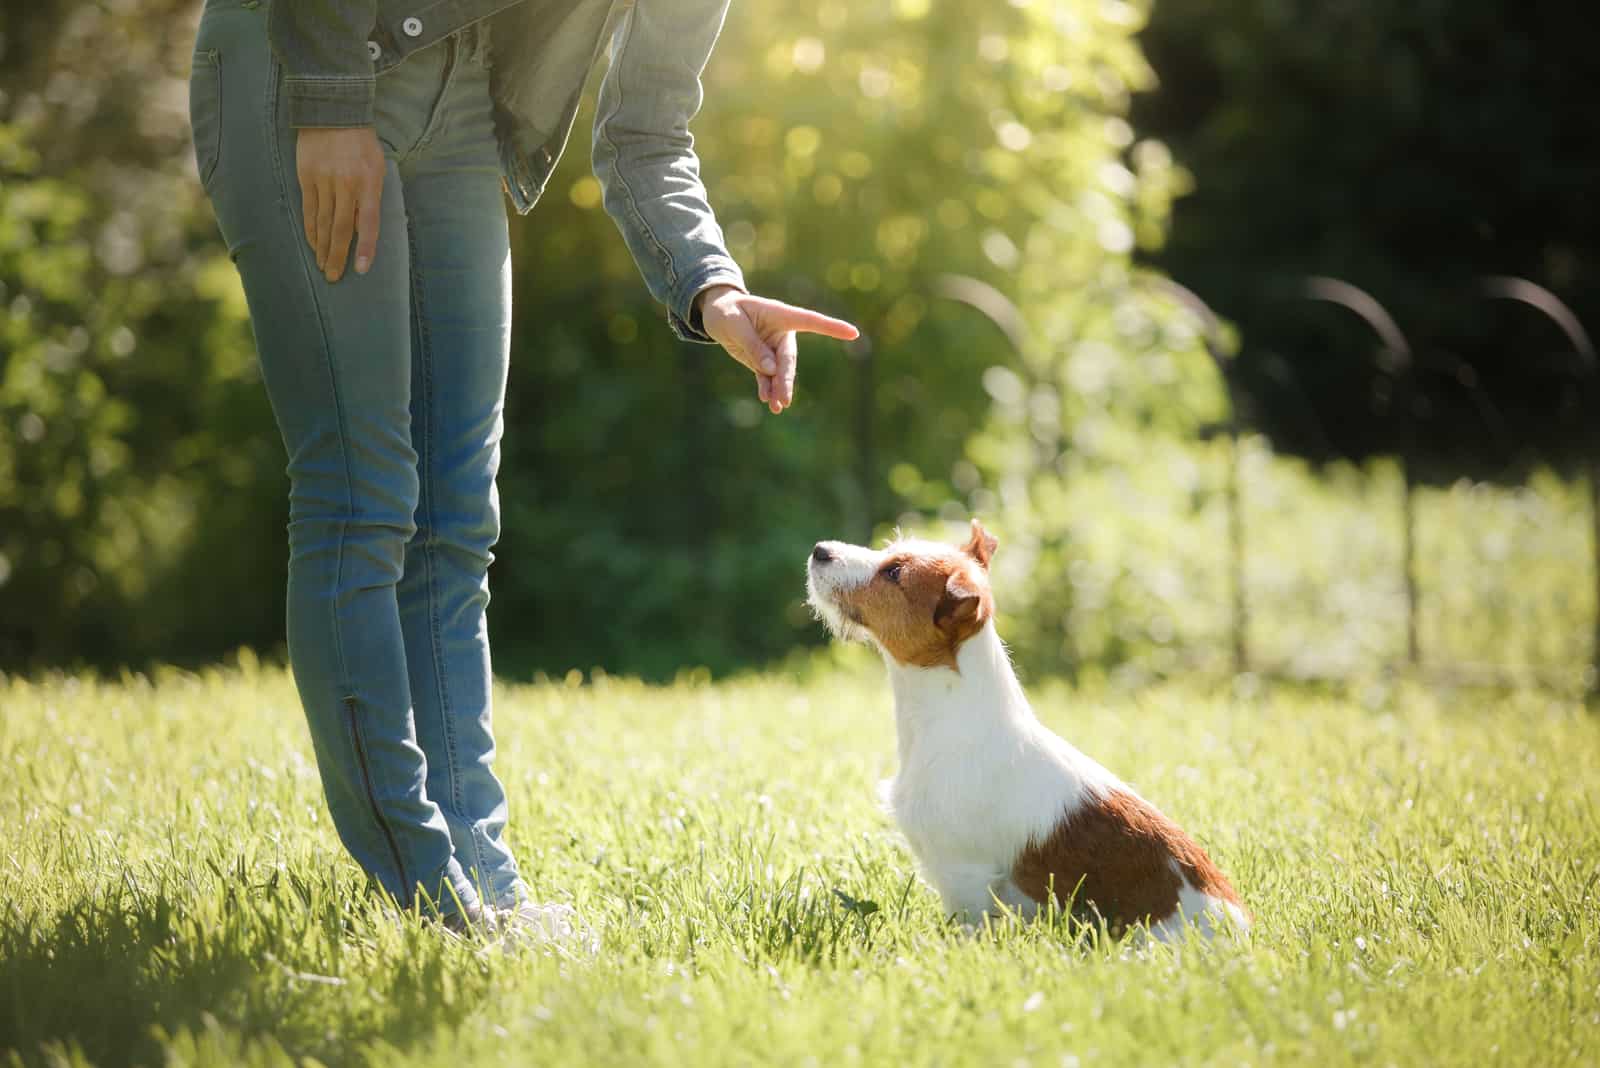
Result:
924,614
1115,854
981,545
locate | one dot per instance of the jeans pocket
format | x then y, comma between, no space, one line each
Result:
205,112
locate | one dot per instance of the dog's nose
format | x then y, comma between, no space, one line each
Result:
821,554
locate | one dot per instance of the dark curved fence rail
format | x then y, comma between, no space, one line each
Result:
1395,356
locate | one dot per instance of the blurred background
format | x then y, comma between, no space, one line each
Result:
1257,330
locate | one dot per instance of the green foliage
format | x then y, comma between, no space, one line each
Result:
1422,870
883,160
655,516
1410,149
1126,570
856,153
137,467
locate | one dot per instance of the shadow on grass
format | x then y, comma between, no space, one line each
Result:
110,981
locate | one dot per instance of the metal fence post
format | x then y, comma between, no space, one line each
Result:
1505,287
1211,335
1335,291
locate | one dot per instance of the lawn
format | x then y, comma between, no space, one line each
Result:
1424,868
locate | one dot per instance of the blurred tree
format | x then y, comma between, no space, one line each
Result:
138,468
1409,149
856,153
860,155
655,516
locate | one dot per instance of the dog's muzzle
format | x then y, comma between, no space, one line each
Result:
832,568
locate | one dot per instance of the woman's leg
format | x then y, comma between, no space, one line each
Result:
336,360
461,329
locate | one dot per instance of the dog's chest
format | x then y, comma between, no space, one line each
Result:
980,801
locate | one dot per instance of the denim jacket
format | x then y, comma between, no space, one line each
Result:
541,52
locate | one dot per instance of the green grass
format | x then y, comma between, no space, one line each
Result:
1424,869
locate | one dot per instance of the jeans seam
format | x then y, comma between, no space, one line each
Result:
428,547
346,683
352,707
333,376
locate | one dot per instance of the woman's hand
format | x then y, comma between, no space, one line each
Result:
760,334
341,188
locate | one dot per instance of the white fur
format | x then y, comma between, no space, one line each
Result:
1199,912
979,778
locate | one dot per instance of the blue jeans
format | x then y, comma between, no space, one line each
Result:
388,389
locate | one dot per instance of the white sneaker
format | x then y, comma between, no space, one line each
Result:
546,925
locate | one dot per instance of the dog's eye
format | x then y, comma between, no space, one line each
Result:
892,573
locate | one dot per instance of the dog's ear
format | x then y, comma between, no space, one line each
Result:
981,545
959,604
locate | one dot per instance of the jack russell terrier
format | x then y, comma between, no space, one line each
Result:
997,808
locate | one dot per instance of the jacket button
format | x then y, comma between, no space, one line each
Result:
412,27
373,51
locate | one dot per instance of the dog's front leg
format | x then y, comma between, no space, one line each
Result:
968,888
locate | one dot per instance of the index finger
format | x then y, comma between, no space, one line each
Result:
809,322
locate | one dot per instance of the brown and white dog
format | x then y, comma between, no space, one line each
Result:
997,808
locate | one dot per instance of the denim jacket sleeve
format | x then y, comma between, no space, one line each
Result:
644,154
328,74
